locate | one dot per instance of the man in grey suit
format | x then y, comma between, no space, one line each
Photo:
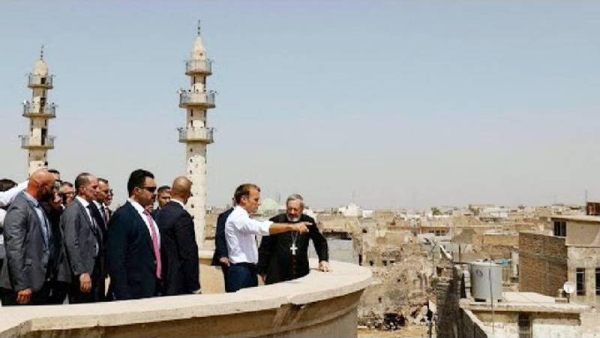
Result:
83,243
30,252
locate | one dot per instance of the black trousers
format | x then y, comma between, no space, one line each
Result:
98,292
225,270
58,292
9,297
241,276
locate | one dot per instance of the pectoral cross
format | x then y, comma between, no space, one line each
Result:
293,248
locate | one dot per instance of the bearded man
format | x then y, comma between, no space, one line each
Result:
284,256
29,241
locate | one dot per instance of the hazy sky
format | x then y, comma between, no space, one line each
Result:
387,103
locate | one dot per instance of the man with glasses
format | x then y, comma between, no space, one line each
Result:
30,252
67,193
133,246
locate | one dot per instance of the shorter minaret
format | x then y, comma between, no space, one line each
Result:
38,111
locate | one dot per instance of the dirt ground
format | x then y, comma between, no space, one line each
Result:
413,331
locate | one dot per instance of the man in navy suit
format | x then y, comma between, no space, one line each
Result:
179,248
133,247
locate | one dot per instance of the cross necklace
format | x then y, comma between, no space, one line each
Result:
293,248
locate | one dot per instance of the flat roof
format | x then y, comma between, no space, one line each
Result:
578,218
524,302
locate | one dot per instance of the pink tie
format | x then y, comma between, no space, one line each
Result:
155,244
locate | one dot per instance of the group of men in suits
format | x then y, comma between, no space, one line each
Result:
55,251
283,252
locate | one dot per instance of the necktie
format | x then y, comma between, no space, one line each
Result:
94,223
46,228
155,244
104,214
96,226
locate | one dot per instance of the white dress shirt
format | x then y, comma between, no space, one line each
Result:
6,197
141,210
85,206
240,234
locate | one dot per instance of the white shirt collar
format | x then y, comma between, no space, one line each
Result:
136,205
178,202
82,201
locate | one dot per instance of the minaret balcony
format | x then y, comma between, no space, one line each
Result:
204,135
196,99
47,111
30,142
198,67
40,81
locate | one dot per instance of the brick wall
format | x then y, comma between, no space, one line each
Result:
542,263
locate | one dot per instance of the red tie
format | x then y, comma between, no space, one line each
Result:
155,244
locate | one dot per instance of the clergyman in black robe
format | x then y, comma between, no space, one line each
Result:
284,256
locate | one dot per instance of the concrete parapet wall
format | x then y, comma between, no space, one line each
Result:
318,305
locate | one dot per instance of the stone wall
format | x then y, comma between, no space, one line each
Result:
501,240
542,263
318,305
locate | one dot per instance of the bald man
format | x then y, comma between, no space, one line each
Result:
31,252
179,250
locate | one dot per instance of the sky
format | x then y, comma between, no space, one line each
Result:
388,104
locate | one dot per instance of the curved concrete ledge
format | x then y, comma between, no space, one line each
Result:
320,304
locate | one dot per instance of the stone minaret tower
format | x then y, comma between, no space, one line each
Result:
38,111
196,134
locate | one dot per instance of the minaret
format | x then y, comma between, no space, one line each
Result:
38,111
196,134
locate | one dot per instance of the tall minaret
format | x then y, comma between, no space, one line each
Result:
196,134
38,111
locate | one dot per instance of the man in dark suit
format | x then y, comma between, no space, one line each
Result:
220,256
83,242
133,246
30,252
178,247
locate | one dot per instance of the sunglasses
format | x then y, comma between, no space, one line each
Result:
149,189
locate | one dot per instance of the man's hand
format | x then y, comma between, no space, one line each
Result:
301,227
24,296
85,283
224,261
263,277
324,266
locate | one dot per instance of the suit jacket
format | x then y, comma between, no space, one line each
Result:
82,239
130,254
181,273
220,241
28,252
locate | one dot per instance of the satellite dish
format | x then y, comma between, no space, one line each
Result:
569,287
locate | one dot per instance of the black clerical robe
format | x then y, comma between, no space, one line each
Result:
275,256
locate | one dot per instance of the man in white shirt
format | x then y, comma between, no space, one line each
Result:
241,231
